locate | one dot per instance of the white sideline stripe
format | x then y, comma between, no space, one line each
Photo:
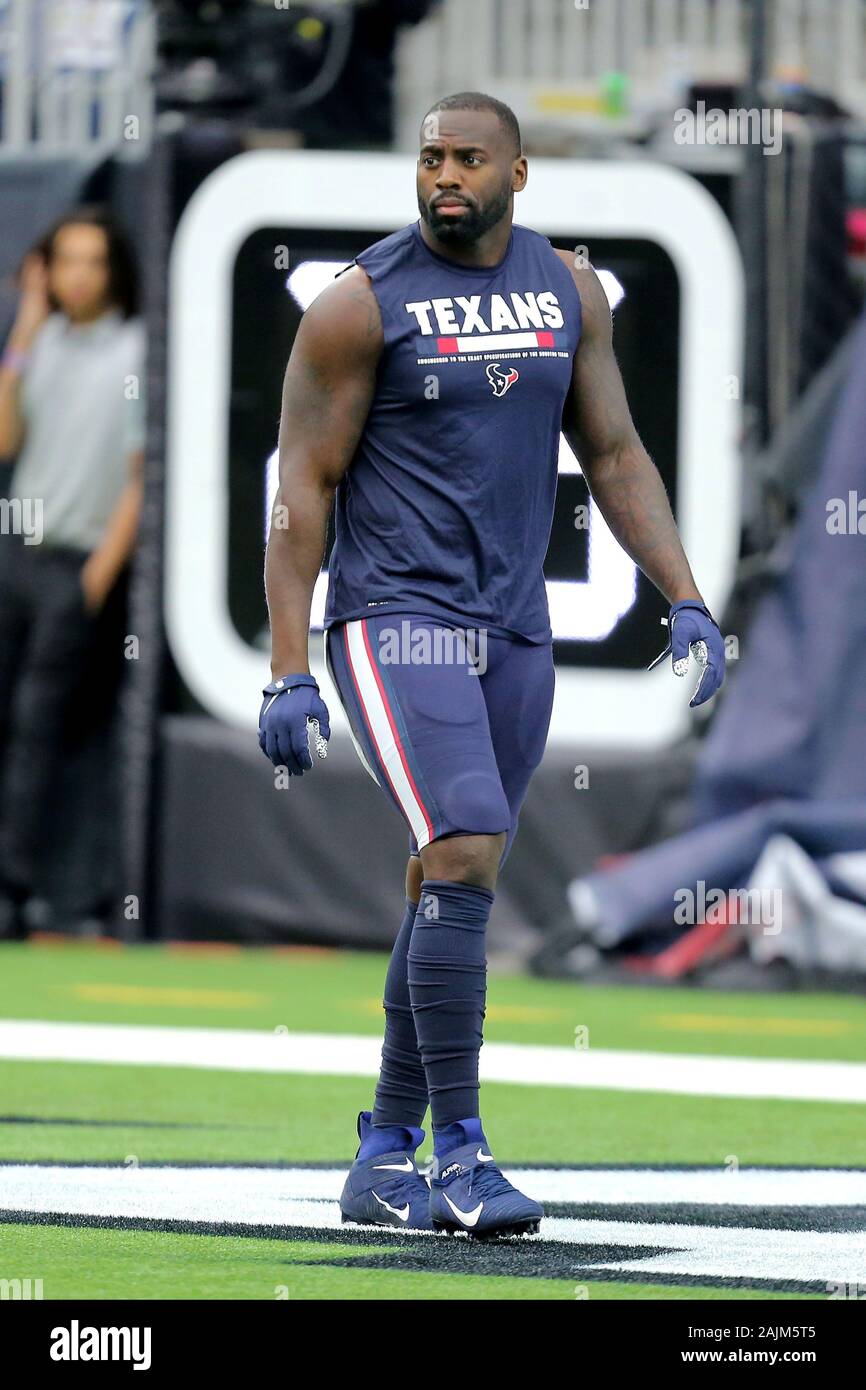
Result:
300,1197
374,708
726,1252
748,1187
344,1054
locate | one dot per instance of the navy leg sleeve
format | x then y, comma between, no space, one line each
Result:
448,988
401,1092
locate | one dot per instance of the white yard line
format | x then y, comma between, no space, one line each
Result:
343,1054
210,1193
287,1198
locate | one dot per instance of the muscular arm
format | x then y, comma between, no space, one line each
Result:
619,472
327,393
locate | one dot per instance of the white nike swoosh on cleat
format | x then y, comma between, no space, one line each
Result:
407,1167
469,1218
484,1158
402,1212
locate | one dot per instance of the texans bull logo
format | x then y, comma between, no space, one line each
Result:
501,380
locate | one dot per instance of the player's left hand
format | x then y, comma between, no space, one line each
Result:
693,629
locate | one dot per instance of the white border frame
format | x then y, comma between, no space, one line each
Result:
303,188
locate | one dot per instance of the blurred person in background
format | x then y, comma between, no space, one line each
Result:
71,415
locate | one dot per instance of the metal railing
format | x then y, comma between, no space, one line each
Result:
548,56
76,74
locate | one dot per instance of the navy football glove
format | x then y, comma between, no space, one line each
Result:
293,709
692,628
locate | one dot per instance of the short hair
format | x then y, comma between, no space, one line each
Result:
122,272
479,101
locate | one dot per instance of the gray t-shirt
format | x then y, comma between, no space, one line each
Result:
82,399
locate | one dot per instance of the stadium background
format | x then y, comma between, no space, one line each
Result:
251,149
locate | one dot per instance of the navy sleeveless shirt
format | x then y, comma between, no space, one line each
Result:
447,506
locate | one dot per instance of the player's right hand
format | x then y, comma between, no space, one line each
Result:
293,709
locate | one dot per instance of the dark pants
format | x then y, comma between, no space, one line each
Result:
47,648
453,749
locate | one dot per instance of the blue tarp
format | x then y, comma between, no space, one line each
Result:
787,750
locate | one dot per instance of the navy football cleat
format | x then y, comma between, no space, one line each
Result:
469,1193
386,1189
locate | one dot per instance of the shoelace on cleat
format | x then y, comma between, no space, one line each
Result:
397,1189
486,1181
